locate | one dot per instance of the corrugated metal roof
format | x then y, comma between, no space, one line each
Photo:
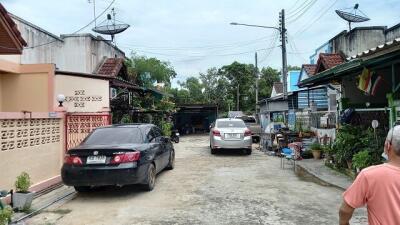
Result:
376,49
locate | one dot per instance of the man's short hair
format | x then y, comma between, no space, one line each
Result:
394,138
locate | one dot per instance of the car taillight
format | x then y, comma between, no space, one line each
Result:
216,133
247,133
125,157
72,160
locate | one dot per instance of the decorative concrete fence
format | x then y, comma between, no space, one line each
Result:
33,145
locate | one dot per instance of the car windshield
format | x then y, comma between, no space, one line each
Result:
248,119
229,124
120,135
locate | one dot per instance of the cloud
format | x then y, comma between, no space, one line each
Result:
195,35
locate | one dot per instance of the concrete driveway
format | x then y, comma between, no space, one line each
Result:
227,188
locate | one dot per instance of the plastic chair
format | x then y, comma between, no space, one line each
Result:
288,154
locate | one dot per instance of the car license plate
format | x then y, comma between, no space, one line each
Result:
232,136
96,159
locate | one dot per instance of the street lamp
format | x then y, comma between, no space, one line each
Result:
251,25
282,31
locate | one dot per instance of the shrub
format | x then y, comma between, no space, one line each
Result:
5,215
23,182
362,159
126,119
166,128
316,146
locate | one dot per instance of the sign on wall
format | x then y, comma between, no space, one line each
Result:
80,98
83,94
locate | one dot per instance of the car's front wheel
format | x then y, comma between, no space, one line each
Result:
151,178
82,188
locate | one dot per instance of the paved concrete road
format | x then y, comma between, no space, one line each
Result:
229,188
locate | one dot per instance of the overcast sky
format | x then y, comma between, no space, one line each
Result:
196,35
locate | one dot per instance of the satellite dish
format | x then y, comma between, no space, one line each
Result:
110,27
352,15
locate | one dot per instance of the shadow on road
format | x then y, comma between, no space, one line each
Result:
230,152
111,192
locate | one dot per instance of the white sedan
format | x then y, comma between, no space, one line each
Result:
230,133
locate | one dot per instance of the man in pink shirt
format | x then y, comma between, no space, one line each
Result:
378,187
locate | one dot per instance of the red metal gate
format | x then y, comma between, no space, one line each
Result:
78,126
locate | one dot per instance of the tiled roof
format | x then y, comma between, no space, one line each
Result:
278,86
328,60
111,67
310,69
10,28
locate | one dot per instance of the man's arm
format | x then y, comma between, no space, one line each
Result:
345,213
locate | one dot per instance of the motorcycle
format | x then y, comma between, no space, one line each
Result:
175,136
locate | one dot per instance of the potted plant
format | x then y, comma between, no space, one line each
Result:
22,197
316,149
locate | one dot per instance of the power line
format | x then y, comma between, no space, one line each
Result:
306,27
231,45
273,42
105,10
203,56
298,9
308,7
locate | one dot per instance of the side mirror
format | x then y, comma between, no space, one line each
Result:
164,139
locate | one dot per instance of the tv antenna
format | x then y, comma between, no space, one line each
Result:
352,15
111,26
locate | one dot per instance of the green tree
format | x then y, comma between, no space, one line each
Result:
148,71
268,76
216,88
241,77
194,88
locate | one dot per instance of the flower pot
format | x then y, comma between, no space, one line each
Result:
316,154
22,201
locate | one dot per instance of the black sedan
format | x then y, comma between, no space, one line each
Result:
118,155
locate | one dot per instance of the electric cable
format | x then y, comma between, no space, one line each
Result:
105,10
306,27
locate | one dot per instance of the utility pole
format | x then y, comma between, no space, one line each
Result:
284,59
256,74
237,97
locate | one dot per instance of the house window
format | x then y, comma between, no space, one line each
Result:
113,93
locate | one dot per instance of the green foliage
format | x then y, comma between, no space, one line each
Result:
166,128
351,140
150,70
316,146
242,76
194,89
23,182
165,105
5,215
362,159
126,119
267,78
